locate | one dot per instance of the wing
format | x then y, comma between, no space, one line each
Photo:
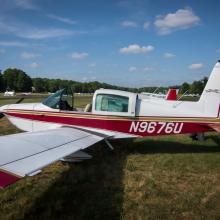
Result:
25,154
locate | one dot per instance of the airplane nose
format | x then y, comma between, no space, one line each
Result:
2,108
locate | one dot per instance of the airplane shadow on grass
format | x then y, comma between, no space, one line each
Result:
94,189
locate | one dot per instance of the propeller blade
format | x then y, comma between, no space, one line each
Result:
20,100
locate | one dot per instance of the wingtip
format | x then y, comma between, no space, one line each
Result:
7,179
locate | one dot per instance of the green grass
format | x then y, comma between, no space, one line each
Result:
169,177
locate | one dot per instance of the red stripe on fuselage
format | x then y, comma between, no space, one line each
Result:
72,113
118,125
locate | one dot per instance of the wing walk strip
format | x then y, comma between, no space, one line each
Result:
26,154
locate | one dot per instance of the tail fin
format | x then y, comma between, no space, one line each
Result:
210,97
172,95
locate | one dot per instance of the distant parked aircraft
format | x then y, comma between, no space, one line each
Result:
9,93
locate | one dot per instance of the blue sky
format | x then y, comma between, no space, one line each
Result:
131,43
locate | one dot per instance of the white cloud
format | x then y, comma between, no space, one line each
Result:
146,25
92,65
25,4
136,49
132,69
33,65
27,55
8,5
129,24
142,69
147,69
39,34
195,66
89,78
169,55
2,51
29,32
124,3
93,77
79,56
62,19
6,28
12,44
181,19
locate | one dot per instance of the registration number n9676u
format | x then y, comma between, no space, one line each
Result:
156,127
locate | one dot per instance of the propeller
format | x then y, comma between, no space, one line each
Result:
19,101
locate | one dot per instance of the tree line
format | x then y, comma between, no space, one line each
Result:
195,88
19,81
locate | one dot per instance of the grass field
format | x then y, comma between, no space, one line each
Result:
151,178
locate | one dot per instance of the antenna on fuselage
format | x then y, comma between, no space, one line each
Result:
154,92
72,91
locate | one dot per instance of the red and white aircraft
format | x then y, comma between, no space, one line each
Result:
56,131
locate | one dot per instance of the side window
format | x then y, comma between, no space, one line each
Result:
111,103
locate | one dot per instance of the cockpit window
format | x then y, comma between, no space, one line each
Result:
53,101
111,103
60,100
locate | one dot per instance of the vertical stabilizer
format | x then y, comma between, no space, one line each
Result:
210,97
172,95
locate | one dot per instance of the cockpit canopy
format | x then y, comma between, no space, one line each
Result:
105,102
60,100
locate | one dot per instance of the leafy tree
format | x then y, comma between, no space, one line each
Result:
1,83
53,85
197,87
24,82
39,84
16,79
205,80
185,87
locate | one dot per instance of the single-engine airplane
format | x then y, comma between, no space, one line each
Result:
55,130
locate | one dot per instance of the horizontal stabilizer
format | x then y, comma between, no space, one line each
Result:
215,127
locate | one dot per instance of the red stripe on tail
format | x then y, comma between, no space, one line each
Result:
172,95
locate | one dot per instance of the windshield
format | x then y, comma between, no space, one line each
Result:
53,101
